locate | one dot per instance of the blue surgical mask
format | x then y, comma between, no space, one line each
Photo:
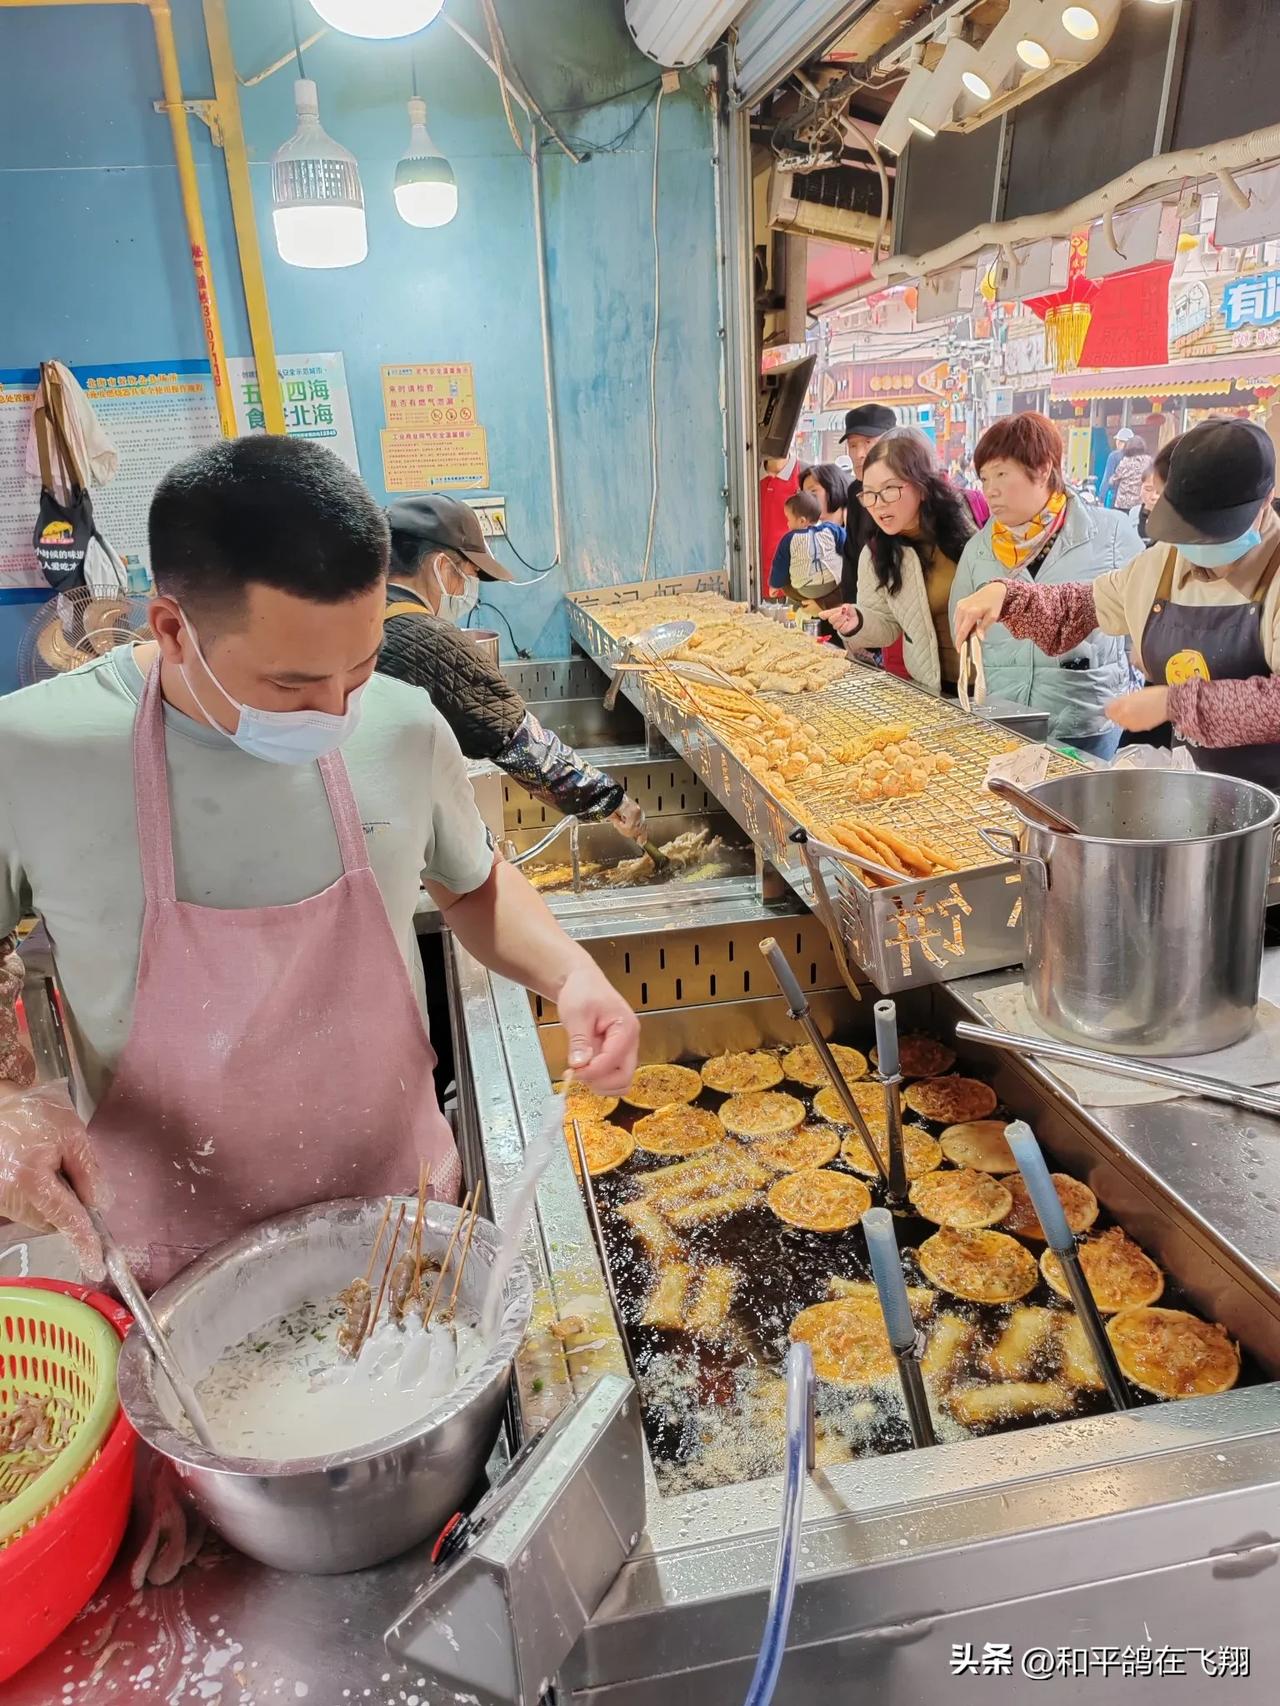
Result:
455,607
278,737
1222,556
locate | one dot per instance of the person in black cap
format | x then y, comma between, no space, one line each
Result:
1201,606
438,559
862,427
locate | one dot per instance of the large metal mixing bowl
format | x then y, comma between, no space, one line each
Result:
323,1515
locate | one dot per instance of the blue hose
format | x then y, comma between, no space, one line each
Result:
782,1594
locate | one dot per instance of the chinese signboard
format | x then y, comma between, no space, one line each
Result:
1253,301
1226,315
155,413
316,401
453,459
430,394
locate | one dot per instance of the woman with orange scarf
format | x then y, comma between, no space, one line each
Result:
1039,531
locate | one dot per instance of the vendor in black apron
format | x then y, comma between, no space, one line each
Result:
1201,606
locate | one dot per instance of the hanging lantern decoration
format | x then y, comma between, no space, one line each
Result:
1067,313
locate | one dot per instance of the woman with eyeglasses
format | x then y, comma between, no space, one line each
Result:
921,525
1041,533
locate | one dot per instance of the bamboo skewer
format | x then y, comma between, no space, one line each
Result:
444,1266
405,1273
386,1274
358,1296
446,1314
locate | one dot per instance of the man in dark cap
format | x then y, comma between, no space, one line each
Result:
1201,606
438,559
862,427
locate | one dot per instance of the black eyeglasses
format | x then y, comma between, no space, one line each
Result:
886,495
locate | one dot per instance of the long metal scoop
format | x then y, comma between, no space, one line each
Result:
151,1330
1061,1240
1030,806
886,1267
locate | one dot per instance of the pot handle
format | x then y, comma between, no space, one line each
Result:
1009,849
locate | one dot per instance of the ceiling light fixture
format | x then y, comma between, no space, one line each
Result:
895,131
317,200
426,190
1081,22
378,19
998,58
939,100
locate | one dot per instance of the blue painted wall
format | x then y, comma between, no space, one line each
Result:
90,207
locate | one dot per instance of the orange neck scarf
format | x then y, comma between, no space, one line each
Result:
1014,546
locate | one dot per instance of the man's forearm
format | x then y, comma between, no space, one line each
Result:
508,927
555,773
17,1067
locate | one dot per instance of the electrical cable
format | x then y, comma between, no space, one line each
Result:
615,143
495,48
297,38
653,83
483,604
653,353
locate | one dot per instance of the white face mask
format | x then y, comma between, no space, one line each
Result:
278,737
455,607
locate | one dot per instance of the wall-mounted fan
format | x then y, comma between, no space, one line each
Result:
74,628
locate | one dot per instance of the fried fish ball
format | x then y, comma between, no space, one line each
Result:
819,1200
950,1099
920,1153
607,1146
678,1130
848,1340
1078,1204
762,1113
732,1074
1118,1273
659,1086
961,1197
943,762
803,1065
1172,1353
985,1267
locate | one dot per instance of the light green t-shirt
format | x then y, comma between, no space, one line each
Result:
245,833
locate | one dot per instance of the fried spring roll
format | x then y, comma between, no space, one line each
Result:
665,1307
948,1343
704,1209
979,1406
1014,1353
1079,1365
713,1302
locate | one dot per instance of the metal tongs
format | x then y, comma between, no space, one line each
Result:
895,1305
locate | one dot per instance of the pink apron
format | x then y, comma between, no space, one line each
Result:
277,1055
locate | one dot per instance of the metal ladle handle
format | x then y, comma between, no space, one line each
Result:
1030,806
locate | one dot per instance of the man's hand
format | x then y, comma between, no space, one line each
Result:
844,618
1145,709
630,819
603,1032
979,611
48,1170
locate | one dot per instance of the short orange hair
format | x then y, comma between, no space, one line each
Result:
1031,439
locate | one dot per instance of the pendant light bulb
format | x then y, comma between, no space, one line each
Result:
316,196
378,20
425,189
1034,54
1081,22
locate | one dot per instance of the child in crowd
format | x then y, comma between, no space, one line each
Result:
806,564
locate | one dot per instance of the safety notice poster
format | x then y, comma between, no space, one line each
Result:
433,395
154,413
452,460
316,401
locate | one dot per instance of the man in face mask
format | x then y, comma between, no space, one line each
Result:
226,830
437,553
1201,606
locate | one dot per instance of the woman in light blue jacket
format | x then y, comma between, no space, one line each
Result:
1038,528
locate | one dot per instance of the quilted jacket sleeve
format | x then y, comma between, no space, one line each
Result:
480,706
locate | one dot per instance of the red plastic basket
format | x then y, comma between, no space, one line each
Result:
51,1573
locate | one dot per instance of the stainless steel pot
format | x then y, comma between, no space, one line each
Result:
486,642
1144,931
323,1515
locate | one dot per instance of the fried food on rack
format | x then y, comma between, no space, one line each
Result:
946,1347
607,1146
762,1113
717,1206
922,1300
650,1231
732,1074
848,1340
797,1151
660,1086
678,1130
1078,1204
710,1309
920,1153
868,1097
585,1104
950,1099
1028,1338
1079,1365
921,1057
961,1197
1008,1401
665,1307
803,1065
819,1200
985,1267
1118,1273
980,1144
1172,1353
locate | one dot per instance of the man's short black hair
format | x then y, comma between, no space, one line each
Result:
278,512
